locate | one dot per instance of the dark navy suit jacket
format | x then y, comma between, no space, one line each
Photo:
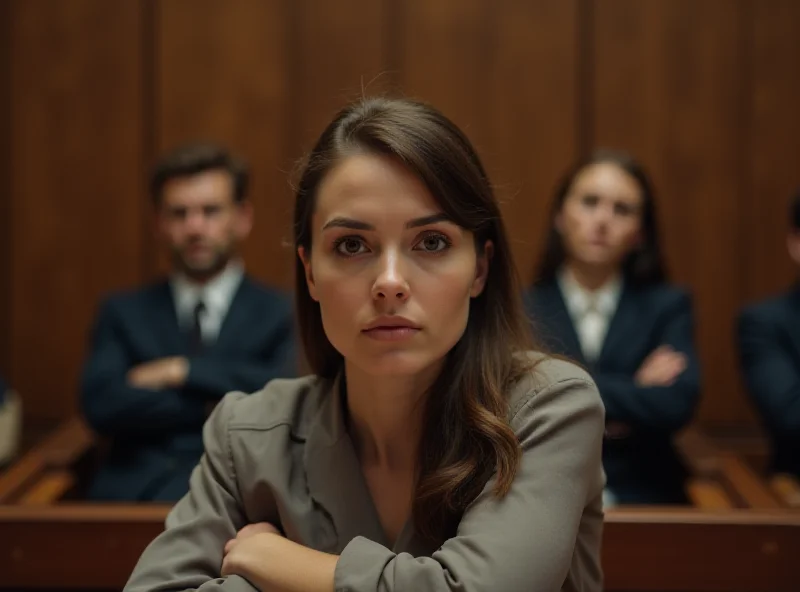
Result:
769,346
156,434
643,466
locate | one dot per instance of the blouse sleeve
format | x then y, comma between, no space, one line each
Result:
188,554
527,540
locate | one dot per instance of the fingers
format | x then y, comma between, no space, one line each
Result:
661,367
257,528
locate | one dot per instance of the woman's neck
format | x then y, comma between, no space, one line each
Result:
591,277
386,416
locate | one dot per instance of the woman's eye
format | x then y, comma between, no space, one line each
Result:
350,246
433,244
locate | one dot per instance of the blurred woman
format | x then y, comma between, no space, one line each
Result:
601,297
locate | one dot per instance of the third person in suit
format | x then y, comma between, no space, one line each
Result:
601,297
769,346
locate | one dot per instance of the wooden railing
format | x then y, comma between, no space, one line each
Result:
742,535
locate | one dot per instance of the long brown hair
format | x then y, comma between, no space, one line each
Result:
644,265
466,436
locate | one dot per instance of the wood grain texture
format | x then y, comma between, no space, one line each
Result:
222,76
77,189
668,88
686,551
6,189
774,147
702,92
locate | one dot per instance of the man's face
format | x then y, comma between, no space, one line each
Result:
201,222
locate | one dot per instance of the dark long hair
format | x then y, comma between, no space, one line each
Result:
645,264
466,436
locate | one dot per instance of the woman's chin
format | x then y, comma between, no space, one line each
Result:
396,363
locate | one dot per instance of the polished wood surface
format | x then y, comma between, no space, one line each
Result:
741,535
703,92
643,550
41,473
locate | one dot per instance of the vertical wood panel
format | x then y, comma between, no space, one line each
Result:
76,141
775,147
339,50
669,86
222,76
5,189
703,92
444,59
532,114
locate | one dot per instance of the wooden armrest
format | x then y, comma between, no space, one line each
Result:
787,488
59,450
707,495
746,483
19,475
52,487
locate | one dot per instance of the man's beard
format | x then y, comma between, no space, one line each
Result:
204,271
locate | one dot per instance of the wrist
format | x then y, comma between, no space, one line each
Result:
252,564
180,371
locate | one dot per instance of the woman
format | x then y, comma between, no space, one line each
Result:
429,451
601,297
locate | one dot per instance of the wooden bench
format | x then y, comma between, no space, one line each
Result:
722,479
47,473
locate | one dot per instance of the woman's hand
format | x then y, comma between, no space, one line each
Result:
250,545
266,559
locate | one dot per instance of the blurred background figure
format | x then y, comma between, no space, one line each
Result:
10,423
163,355
769,348
601,296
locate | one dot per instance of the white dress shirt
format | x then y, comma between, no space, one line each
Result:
591,311
217,295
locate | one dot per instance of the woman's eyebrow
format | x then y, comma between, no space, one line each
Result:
353,224
425,220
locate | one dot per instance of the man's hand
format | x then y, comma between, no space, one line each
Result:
661,367
160,374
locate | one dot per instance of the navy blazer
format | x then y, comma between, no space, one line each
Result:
642,466
769,347
156,434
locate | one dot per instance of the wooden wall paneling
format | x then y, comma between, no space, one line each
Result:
444,59
75,219
221,75
775,148
531,117
669,87
339,52
6,167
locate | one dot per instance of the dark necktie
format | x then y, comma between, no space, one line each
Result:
196,345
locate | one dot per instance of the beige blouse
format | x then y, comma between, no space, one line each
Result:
283,455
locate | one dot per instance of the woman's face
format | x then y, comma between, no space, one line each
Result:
600,221
392,275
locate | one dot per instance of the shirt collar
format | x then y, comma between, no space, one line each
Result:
579,300
216,294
